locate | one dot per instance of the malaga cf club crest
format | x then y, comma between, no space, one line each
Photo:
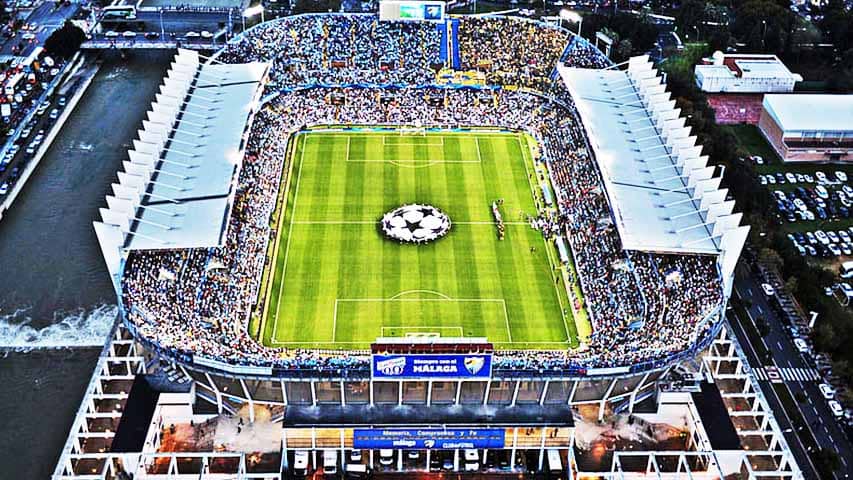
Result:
474,364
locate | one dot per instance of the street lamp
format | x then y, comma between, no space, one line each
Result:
162,30
572,17
251,12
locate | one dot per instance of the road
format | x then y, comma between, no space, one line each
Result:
799,379
176,22
47,19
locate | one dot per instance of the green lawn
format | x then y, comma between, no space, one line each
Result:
339,283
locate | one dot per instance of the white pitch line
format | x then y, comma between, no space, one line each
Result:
335,322
408,160
506,319
477,143
289,236
349,139
366,222
483,300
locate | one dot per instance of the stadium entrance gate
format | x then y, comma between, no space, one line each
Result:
432,437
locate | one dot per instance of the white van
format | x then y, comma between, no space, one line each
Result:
555,463
846,269
330,462
472,461
386,457
300,463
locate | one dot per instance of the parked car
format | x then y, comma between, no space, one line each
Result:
152,35
821,191
801,345
835,408
300,463
790,177
768,289
128,34
4,188
841,176
821,177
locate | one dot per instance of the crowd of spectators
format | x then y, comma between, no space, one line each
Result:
511,51
644,307
342,49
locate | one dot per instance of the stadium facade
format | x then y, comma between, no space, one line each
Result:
436,404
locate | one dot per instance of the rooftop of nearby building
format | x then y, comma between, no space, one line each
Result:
811,112
745,66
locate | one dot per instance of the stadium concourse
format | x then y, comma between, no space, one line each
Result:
646,308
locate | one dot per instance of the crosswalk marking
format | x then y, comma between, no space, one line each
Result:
770,374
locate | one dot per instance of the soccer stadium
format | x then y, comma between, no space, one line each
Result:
462,237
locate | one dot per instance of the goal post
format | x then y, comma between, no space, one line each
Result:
412,130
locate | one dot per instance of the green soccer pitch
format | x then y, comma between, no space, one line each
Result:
337,282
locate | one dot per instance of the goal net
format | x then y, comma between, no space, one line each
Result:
417,130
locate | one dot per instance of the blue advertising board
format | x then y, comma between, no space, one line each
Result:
464,366
435,438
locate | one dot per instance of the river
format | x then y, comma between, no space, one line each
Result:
56,300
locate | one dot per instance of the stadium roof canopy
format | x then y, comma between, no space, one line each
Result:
811,112
663,195
178,186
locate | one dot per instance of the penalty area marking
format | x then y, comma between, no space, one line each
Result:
412,162
428,143
441,298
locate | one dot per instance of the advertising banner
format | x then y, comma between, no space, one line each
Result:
429,438
462,366
405,10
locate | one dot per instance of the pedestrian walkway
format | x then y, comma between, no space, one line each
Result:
787,374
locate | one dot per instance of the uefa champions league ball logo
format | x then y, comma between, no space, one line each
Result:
415,224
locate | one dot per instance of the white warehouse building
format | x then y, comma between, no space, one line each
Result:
745,74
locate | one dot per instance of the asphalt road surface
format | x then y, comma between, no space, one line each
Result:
798,377
47,19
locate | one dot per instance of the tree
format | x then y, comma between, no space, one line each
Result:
763,25
64,42
689,17
770,257
632,34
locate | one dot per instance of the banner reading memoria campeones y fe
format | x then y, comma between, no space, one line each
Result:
432,366
452,438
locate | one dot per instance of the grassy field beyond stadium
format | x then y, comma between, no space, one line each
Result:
339,283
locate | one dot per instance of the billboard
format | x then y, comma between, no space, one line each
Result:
416,11
434,438
462,366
